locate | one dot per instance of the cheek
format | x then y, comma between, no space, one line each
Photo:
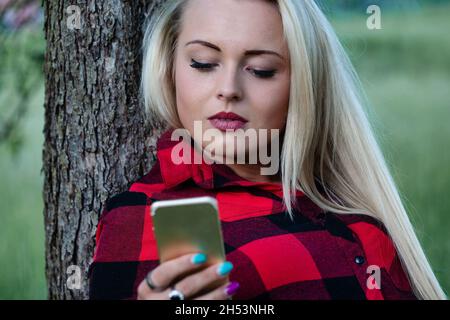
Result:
271,107
186,95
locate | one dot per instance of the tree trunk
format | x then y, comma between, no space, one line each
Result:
96,139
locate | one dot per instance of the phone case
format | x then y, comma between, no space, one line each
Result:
188,225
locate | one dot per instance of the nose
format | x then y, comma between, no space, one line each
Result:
229,87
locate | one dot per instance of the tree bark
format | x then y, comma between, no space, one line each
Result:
96,138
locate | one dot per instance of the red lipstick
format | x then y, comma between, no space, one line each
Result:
227,121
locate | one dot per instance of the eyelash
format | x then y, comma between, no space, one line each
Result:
205,67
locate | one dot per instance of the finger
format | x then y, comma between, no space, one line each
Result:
167,272
145,293
224,292
211,277
164,274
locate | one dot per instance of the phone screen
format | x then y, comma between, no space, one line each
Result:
189,225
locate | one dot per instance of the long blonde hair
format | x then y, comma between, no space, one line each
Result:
328,139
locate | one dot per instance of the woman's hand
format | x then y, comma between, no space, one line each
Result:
193,286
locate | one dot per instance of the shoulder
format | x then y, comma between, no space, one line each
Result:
130,203
125,199
360,219
372,235
379,250
119,230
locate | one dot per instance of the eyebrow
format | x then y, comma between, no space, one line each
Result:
246,53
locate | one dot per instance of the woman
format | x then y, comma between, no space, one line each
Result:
328,224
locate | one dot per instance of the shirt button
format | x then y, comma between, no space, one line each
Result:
359,259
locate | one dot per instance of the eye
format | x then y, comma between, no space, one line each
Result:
205,67
265,74
201,66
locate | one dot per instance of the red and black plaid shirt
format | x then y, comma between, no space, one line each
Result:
321,255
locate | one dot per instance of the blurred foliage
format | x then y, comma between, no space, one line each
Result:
15,14
347,6
22,237
21,61
411,42
22,55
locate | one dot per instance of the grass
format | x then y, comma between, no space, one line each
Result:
414,116
22,222
404,68
22,228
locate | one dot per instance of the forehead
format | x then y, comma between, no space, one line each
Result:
237,23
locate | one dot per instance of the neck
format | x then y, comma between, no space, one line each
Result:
252,172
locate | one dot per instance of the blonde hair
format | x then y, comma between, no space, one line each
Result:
328,139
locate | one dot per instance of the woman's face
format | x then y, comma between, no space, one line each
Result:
220,67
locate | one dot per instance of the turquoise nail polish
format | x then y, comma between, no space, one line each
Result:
199,258
225,268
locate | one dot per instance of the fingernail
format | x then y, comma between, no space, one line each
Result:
225,268
232,288
199,258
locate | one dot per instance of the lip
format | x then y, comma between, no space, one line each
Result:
227,121
228,116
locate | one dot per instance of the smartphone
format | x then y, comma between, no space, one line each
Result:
188,225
